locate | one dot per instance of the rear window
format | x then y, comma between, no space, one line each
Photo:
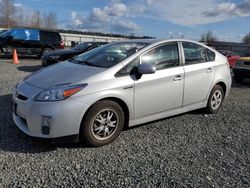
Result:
223,52
50,36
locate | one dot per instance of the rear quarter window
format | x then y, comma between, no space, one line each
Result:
48,36
210,55
195,53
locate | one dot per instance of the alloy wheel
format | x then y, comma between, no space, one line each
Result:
105,124
216,100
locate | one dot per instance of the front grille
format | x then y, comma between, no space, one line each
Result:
21,97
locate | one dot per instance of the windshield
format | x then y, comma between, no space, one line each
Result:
82,46
4,33
223,53
109,55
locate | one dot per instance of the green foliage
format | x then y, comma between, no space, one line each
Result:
246,39
208,37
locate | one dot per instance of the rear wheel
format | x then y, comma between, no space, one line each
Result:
46,50
103,123
238,78
215,99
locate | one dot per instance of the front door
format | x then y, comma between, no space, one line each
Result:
163,90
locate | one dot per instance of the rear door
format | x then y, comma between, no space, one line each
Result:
199,72
163,90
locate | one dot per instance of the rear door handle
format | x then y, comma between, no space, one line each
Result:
209,70
177,78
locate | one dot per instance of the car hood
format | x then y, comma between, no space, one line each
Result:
61,52
63,73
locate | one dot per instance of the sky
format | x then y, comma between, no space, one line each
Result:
229,20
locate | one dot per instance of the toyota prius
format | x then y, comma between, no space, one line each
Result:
94,96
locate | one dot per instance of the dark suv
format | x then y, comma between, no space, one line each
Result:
29,41
64,54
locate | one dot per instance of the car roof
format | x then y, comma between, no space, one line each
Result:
152,41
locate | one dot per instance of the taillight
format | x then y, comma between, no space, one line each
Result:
62,45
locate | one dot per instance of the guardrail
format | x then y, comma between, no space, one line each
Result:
72,39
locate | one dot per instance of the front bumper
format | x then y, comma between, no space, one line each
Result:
66,115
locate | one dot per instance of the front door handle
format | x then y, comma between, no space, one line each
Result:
209,70
177,78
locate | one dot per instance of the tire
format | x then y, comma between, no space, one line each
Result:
46,50
103,123
215,99
238,79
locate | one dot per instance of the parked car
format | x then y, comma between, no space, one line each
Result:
64,54
29,41
96,94
241,69
232,57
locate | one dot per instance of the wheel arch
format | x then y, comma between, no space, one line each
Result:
223,85
119,101
220,83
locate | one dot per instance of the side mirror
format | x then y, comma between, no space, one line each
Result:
146,68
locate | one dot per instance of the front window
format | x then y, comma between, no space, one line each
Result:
164,56
109,55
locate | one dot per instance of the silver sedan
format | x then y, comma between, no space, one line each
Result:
93,96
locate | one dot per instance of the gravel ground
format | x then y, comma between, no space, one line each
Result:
189,150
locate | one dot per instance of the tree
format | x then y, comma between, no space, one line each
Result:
7,13
246,39
208,37
50,21
36,21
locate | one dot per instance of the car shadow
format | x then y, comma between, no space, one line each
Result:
30,68
13,140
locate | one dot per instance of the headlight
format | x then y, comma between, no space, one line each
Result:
54,57
59,93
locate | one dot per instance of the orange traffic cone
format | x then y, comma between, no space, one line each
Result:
15,58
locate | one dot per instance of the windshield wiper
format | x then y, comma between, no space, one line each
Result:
83,62
79,61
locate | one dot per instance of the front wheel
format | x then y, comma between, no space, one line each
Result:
215,99
103,123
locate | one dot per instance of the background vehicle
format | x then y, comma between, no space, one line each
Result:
241,69
127,83
29,41
64,54
232,57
